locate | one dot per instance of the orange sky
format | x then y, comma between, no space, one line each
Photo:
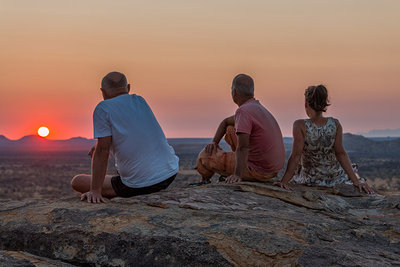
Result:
182,55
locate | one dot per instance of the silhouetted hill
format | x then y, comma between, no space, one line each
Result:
32,139
36,143
361,146
382,133
3,138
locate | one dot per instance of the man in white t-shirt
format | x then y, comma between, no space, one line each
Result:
125,125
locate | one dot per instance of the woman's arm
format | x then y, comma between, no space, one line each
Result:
344,160
299,130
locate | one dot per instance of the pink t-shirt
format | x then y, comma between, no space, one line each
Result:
266,148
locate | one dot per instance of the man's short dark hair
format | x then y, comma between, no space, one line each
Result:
114,80
244,85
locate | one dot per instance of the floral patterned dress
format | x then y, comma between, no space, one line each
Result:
319,166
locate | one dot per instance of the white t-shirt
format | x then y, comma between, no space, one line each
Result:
142,154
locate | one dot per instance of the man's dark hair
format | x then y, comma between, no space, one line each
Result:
244,85
317,97
114,80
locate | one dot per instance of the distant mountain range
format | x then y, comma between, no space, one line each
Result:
361,146
382,133
34,142
356,145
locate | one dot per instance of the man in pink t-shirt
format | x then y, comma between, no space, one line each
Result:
254,136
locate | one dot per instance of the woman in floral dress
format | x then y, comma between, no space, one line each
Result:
318,157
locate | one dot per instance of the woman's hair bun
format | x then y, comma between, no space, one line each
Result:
317,97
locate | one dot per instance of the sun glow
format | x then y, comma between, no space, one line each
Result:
43,131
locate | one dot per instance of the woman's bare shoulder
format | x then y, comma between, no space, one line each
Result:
299,123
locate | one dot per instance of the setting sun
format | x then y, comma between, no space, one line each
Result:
43,131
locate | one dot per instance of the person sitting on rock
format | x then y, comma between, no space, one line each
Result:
254,137
125,124
317,146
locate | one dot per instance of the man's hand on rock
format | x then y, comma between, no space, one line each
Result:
210,148
283,185
364,186
233,179
93,197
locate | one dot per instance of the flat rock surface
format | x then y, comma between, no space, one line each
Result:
247,224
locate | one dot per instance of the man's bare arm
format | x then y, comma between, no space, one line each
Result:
230,121
99,169
242,153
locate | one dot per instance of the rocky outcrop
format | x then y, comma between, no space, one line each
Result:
245,224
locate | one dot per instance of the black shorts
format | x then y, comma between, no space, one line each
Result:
126,191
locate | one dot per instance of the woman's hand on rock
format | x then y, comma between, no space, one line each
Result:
283,185
364,187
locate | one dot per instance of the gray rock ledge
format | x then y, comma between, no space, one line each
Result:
247,224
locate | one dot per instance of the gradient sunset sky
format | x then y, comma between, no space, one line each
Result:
182,55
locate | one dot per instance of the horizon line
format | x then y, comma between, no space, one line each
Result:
49,139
